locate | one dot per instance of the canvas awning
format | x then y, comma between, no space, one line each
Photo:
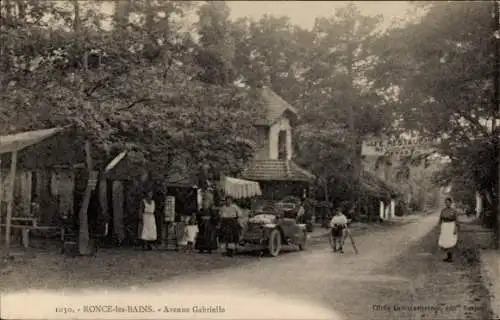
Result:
239,188
18,141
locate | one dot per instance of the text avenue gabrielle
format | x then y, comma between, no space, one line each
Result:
195,309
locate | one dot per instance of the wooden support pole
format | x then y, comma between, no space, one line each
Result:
10,198
83,234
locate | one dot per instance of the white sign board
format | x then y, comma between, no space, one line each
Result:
395,147
170,209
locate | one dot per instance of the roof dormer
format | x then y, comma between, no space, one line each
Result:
275,108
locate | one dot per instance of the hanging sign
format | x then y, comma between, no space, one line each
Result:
170,209
395,147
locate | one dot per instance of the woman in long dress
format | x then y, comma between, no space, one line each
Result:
207,237
208,220
230,226
147,227
449,230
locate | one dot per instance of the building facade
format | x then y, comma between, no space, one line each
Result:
272,166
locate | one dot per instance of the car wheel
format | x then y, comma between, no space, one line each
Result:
302,246
274,245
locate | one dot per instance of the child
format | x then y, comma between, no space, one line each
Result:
191,233
338,225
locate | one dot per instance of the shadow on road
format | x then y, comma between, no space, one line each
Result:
114,268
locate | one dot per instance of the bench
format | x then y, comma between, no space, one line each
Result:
27,228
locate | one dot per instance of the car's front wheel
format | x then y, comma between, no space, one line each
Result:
274,244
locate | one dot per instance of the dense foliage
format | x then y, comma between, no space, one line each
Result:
132,85
150,80
443,66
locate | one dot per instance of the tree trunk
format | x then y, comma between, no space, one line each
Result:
83,235
76,21
21,7
326,191
122,12
355,139
149,23
8,10
10,198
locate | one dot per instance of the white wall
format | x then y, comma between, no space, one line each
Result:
283,124
263,143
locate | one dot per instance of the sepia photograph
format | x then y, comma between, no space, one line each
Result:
209,160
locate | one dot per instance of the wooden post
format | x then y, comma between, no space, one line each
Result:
83,234
381,210
393,208
10,198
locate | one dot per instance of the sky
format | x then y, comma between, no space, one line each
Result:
303,13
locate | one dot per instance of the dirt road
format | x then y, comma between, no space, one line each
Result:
399,274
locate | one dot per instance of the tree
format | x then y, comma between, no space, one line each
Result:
339,92
131,87
217,44
442,66
131,82
329,160
323,74
272,52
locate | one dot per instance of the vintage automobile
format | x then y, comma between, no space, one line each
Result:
291,204
269,231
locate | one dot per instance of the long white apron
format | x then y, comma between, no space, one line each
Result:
447,238
148,222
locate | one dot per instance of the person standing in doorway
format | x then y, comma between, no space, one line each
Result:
147,230
449,230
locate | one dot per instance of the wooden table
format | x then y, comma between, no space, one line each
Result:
26,224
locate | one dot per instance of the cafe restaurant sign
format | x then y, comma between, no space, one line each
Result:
395,147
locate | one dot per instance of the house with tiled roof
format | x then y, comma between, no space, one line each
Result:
272,165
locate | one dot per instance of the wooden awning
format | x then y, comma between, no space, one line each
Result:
18,141
239,188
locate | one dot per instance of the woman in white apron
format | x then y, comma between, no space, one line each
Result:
147,228
449,230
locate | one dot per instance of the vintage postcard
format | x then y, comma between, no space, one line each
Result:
249,160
